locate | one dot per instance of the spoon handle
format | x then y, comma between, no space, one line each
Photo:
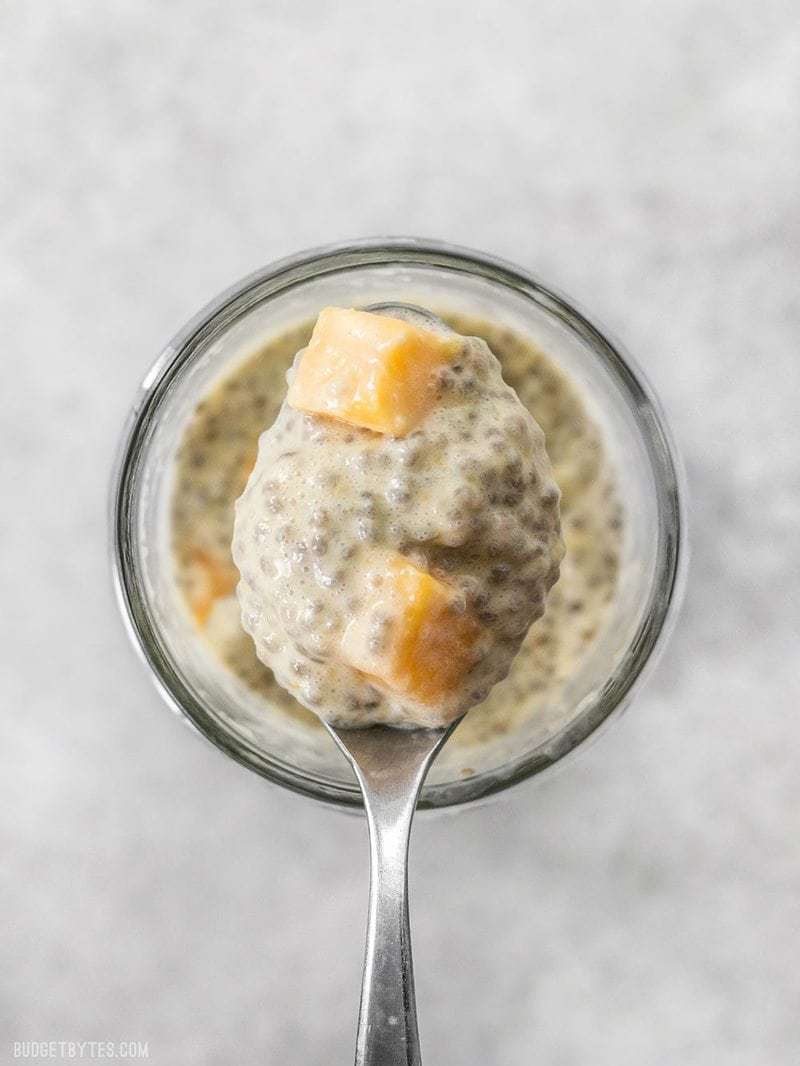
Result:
387,1020
391,766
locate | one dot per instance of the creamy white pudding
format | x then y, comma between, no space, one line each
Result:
400,530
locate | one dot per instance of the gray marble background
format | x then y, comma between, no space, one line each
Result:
641,907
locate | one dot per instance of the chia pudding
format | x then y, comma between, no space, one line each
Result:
340,528
475,541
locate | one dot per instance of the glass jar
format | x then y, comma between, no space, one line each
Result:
290,752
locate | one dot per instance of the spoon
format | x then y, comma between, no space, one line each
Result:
410,313
391,765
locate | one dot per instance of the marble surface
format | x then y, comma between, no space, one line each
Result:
642,906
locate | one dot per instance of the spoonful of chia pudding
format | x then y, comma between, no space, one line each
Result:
396,539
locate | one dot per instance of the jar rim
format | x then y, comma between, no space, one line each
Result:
282,275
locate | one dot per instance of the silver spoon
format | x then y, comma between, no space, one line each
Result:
391,766
410,313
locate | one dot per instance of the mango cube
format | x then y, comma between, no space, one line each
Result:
370,370
211,580
409,637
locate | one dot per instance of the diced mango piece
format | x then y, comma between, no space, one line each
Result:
370,370
211,580
246,468
409,637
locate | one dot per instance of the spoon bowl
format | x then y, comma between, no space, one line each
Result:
409,313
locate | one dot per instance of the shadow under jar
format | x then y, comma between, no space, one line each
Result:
293,750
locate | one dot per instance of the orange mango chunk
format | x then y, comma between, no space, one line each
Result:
211,580
370,370
409,637
246,469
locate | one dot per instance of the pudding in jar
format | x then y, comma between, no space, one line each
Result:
352,514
